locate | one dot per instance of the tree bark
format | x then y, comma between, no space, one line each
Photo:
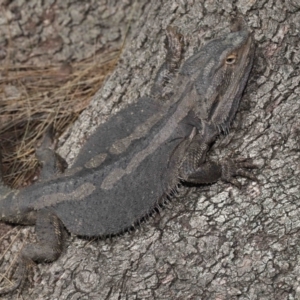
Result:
215,242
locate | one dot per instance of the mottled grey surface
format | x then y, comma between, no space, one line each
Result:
35,32
216,242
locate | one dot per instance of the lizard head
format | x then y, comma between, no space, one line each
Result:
220,72
230,77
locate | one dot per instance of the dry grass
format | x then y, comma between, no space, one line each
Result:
34,97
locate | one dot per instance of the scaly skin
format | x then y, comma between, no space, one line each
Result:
135,160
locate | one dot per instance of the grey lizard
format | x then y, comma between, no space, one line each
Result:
135,161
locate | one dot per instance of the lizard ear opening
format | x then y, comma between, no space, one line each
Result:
231,59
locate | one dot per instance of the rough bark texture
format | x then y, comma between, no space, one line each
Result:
216,242
47,32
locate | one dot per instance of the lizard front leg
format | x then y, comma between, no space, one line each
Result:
226,170
195,168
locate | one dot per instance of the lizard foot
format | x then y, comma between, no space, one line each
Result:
233,168
50,234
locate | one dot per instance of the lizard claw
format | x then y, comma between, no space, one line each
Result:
233,168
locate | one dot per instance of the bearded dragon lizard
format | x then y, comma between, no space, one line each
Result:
135,161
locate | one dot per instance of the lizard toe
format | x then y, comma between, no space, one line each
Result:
233,168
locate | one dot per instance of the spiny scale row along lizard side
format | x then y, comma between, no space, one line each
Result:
135,160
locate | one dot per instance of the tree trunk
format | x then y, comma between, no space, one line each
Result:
215,242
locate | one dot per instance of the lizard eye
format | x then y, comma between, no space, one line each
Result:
230,59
